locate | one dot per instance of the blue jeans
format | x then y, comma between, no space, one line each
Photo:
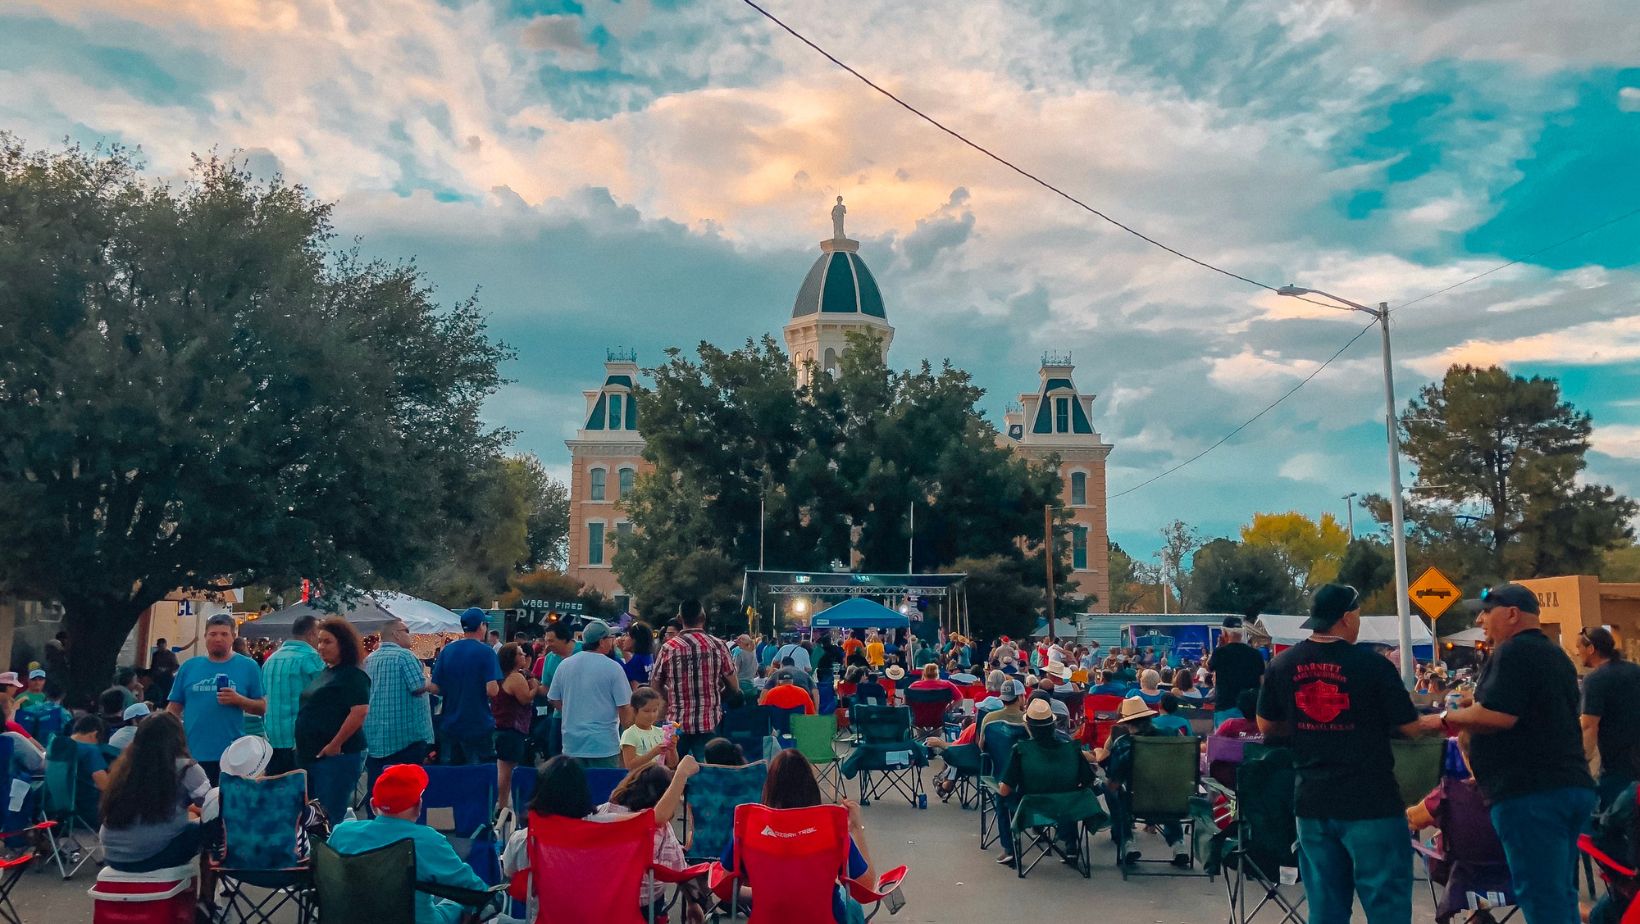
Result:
331,781
462,751
1370,858
1539,835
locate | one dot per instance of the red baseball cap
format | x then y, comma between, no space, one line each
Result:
399,788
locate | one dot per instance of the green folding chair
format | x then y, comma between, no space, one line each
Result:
1166,776
812,736
1053,816
1418,763
379,887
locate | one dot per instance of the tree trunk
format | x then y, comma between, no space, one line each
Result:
97,627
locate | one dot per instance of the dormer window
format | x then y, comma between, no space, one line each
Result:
614,412
1062,415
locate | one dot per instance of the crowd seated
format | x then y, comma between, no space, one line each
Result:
150,809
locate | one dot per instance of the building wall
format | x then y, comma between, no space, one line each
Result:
612,458
1573,602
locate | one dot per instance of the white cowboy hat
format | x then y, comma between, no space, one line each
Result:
1134,709
895,672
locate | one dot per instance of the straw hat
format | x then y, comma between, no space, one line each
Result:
895,672
1060,670
1039,711
1134,709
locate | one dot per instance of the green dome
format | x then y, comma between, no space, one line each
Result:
839,283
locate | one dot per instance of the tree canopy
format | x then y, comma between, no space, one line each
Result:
1311,550
835,466
197,391
1239,577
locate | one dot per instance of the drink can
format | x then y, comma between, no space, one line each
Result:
922,800
222,682
1454,700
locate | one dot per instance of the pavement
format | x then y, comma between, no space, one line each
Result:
951,880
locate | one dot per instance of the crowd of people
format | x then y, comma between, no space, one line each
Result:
649,701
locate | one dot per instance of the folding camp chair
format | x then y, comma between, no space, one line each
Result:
1262,837
1200,719
928,708
467,794
1099,714
1000,738
962,763
749,727
565,851
1418,763
1047,803
712,796
813,735
780,723
887,758
379,887
261,834
1468,861
1622,880
1224,755
1166,774
804,853
601,783
71,824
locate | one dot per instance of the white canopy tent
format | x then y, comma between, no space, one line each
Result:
1375,630
369,612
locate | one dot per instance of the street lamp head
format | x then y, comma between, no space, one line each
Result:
1293,290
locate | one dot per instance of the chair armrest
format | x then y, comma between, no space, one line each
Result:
886,883
721,882
1585,843
1427,850
680,874
471,898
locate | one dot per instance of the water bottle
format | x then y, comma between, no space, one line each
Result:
922,800
349,815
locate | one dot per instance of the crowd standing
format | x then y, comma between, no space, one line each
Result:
1542,755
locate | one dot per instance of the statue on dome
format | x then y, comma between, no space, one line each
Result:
837,213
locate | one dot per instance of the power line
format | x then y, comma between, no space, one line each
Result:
1251,420
1010,164
1522,259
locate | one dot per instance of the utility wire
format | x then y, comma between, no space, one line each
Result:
1011,165
1251,420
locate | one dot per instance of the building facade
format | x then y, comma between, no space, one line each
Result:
1056,421
838,297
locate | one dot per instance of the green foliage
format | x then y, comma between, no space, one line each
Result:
837,465
546,521
1497,494
1179,544
196,392
1239,577
1621,565
1310,550
999,600
1125,585
1368,566
550,584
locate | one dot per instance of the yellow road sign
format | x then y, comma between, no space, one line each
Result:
1434,593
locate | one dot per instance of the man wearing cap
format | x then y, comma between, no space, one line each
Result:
1526,751
467,674
397,801
133,714
1339,704
1611,712
592,694
285,674
36,692
1012,712
213,692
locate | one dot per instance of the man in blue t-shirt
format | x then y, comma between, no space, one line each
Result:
467,675
213,692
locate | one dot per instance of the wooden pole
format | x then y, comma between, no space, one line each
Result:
1047,548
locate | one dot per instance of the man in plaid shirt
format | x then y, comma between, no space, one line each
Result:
399,725
285,674
691,671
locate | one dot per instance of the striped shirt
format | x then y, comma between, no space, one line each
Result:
690,672
285,674
397,718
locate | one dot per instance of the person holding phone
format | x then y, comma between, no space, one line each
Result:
213,692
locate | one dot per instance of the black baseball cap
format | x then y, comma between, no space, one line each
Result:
1505,595
1330,603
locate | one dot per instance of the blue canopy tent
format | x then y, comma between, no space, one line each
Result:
859,613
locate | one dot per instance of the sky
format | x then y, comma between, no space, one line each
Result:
653,173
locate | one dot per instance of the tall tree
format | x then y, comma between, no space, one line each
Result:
1180,541
748,462
546,524
1310,549
196,392
1237,577
1499,455
1126,588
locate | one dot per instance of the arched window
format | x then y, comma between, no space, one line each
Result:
595,483
1079,488
831,361
626,477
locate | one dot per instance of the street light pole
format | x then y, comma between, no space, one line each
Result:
1349,511
1398,534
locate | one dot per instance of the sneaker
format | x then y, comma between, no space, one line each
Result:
1181,859
1006,859
1131,857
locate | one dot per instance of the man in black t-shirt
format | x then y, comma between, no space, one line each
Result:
1611,712
1236,666
1339,704
1526,752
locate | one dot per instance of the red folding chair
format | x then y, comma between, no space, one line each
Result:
1622,882
565,851
1099,713
803,854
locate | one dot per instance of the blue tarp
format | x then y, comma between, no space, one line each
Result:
859,613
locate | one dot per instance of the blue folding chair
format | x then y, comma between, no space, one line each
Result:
780,723
712,796
601,781
747,726
469,792
523,788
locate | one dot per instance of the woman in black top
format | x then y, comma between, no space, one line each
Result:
330,720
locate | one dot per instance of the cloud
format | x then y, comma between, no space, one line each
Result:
1628,99
1621,441
1597,343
